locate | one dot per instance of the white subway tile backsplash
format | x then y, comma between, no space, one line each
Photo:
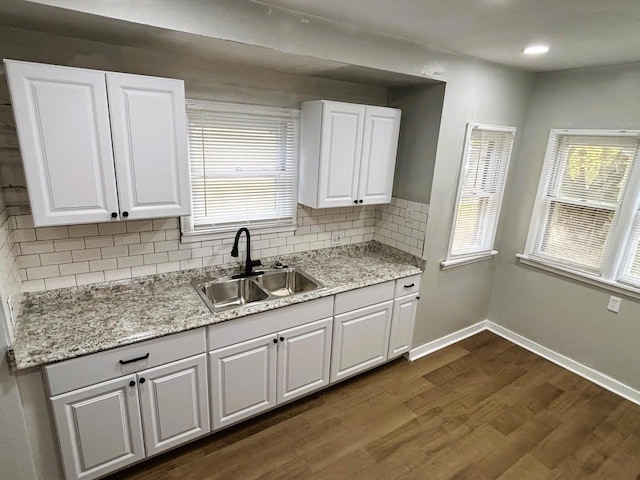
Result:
23,235
143,270
55,258
89,230
140,248
126,238
130,261
87,254
112,252
35,273
87,278
26,261
112,228
102,265
60,282
154,236
136,226
136,248
151,258
68,244
118,274
99,242
51,233
74,268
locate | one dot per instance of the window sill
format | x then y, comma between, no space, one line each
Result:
580,277
203,236
459,262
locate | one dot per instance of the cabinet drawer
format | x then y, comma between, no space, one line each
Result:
363,297
90,369
407,285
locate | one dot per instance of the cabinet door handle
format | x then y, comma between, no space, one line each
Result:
132,383
114,215
137,359
360,201
282,339
125,214
355,201
410,285
142,380
417,298
275,340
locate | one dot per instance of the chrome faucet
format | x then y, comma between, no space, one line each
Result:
249,264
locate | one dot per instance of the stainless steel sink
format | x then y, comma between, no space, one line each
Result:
225,293
290,281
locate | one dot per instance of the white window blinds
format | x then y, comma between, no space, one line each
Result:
582,192
243,166
481,185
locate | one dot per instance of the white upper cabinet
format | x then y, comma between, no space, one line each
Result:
148,126
66,120
62,121
347,153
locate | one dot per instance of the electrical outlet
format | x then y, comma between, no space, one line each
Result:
614,304
336,237
409,216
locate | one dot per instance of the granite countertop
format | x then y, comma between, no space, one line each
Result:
65,323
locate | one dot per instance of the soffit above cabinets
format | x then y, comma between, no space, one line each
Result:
73,24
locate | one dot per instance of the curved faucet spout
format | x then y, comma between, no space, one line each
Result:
249,264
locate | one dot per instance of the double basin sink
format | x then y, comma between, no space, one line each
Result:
225,293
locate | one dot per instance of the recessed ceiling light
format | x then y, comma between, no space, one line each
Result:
536,49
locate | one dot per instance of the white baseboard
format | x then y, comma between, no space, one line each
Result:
447,340
578,368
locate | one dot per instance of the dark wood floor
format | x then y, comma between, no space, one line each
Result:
480,409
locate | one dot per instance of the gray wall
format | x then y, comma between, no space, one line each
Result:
456,298
421,111
566,316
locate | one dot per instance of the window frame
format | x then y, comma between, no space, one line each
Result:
618,246
453,260
190,233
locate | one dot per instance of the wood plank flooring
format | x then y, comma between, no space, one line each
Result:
481,409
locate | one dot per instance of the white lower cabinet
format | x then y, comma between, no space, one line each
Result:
255,375
114,408
99,428
174,403
150,397
360,340
404,317
304,357
243,380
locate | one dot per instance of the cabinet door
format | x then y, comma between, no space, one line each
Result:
340,152
62,121
149,130
99,428
243,380
404,317
360,340
379,147
174,403
304,357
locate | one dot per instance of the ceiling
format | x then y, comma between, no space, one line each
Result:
580,33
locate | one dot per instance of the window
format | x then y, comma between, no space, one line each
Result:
243,167
586,217
481,185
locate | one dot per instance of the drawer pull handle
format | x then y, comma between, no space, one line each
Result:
409,286
137,359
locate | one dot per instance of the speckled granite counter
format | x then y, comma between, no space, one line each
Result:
66,323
